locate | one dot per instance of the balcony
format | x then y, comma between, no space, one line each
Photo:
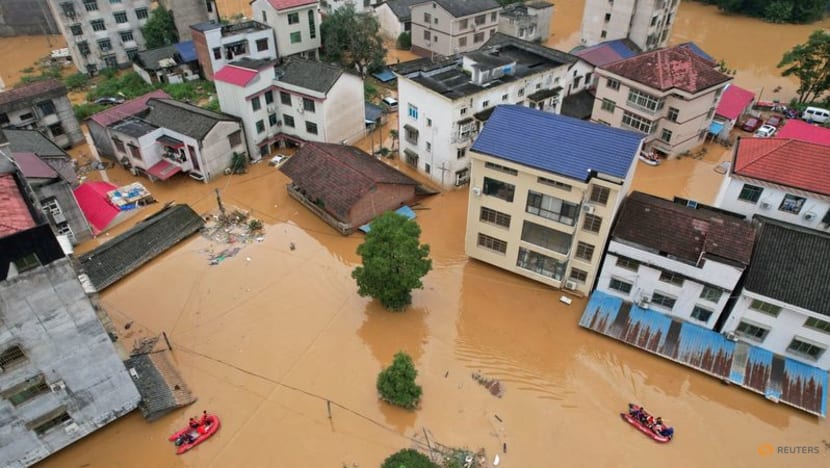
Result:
547,238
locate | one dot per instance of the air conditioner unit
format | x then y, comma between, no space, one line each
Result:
272,108
477,191
809,216
731,336
70,428
570,285
589,209
58,386
765,205
643,302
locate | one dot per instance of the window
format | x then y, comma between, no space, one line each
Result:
584,251
799,346
131,53
27,390
540,264
76,30
485,104
235,138
792,204
308,105
826,218
551,208
653,20
663,300
607,17
413,111
492,243
105,45
608,105
554,183
546,238
644,101
478,37
56,129
134,151
620,285
591,223
296,37
579,275
293,18
460,153
68,9
504,97
666,135
463,24
217,53
499,189
54,421
494,217
285,98
260,126
141,13
500,168
711,294
119,145
98,25
410,134
261,44
427,35
113,2
26,116
255,104
427,18
272,119
429,122
91,5
480,19
46,107
288,121
765,307
27,262
269,97
600,194
120,17
817,324
750,193
612,83
636,122
628,263
429,146
312,29
699,313
83,48
11,356
462,41
127,36
673,114
311,127
671,278
494,16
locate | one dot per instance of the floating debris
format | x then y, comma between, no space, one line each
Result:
493,385
221,256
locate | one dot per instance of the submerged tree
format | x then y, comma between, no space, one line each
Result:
810,63
353,40
159,30
394,261
408,458
396,384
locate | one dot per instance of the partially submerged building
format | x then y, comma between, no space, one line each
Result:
43,106
219,44
529,21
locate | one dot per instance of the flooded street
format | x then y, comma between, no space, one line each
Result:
21,52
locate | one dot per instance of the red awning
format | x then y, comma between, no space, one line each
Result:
163,170
170,141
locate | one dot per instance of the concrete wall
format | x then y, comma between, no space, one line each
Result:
233,100
62,192
628,18
101,139
533,26
187,12
344,112
215,39
26,114
390,25
216,151
47,314
447,36
26,17
385,197
278,20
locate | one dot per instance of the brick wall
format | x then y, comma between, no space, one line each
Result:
384,198
202,53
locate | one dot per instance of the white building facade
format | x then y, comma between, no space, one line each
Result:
219,44
648,23
296,25
449,27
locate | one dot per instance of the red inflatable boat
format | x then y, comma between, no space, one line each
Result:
188,437
633,418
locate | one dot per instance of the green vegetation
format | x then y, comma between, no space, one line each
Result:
396,384
76,81
404,41
810,63
160,30
239,163
408,458
83,111
370,92
394,261
775,11
46,71
353,40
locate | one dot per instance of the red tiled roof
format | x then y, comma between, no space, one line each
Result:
678,67
794,163
31,90
800,130
127,109
235,75
92,198
683,232
734,102
338,174
32,166
14,212
285,4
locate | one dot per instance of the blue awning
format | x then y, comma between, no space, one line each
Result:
187,51
384,75
404,210
716,127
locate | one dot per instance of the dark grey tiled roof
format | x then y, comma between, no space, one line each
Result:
133,127
402,8
317,76
792,264
149,59
578,105
206,26
251,64
183,118
161,387
149,238
32,141
460,8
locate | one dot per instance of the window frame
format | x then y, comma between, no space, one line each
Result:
588,223
699,311
615,284
498,185
660,299
585,251
491,243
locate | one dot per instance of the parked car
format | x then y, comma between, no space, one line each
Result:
109,100
277,160
775,121
390,103
751,124
765,131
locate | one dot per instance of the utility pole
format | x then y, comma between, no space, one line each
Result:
219,202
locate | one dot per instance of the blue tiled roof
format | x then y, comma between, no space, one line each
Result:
621,47
697,50
187,51
558,144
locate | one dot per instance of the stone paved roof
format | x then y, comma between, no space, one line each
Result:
313,75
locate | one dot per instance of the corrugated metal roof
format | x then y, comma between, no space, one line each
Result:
235,75
734,102
558,144
127,109
187,51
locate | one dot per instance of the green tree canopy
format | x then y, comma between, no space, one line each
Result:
394,261
810,63
396,384
160,30
777,11
353,40
408,458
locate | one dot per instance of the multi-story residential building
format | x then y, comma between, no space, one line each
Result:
529,21
296,25
361,6
668,94
187,12
395,17
545,190
783,305
443,103
301,100
449,27
646,22
219,44
26,18
101,33
43,106
674,259
781,179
